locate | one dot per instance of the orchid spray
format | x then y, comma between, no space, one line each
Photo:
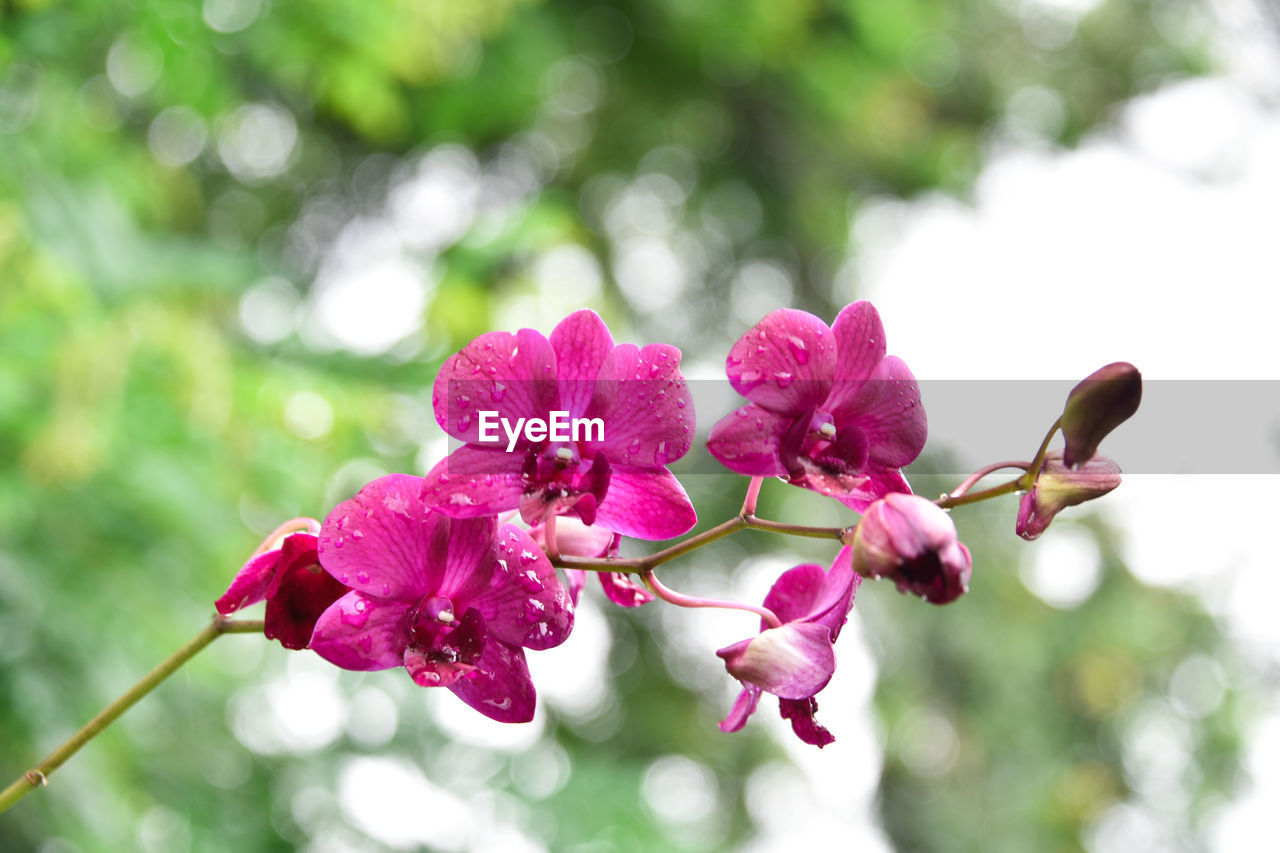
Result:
571,436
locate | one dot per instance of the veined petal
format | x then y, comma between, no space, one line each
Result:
512,375
784,363
474,481
499,687
645,405
516,590
743,707
646,503
859,336
361,632
383,540
582,343
887,409
793,661
749,441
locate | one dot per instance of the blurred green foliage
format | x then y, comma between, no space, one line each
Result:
158,160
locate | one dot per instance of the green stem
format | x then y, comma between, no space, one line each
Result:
39,775
973,497
1028,479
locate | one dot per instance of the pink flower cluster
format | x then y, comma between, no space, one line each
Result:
419,572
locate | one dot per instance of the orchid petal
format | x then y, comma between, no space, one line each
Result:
383,540
646,503
793,661
512,375
582,343
743,707
474,481
499,687
623,591
784,363
748,441
645,404
251,583
888,411
801,714
860,340
304,593
361,632
518,593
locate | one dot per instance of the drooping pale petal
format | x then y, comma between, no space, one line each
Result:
860,342
512,375
475,481
801,714
793,661
251,583
518,593
748,441
785,362
743,707
645,405
382,540
888,411
646,503
499,687
582,343
361,632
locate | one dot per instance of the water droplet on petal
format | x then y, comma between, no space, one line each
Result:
463,401
783,379
464,422
798,349
498,392
357,534
362,578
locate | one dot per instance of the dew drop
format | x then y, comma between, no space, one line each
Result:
783,379
498,392
357,535
679,404
464,422
362,578
463,401
798,349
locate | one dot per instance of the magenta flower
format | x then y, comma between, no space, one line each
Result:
576,539
829,410
455,601
623,413
294,586
1057,487
913,542
795,660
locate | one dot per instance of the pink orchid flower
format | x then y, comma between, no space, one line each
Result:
796,659
612,474
829,410
454,601
913,542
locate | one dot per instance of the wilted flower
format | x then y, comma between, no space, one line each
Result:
612,473
294,586
1101,402
829,410
455,601
913,542
1058,487
578,540
794,660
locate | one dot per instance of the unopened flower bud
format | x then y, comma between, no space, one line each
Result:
1058,487
913,542
1101,402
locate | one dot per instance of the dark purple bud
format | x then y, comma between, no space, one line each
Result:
1058,487
1101,402
913,542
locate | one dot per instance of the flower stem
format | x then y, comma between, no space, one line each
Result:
39,775
982,472
973,497
681,600
1029,479
753,495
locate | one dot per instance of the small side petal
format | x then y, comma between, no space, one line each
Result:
251,583
784,363
500,687
743,707
646,503
749,441
361,633
793,661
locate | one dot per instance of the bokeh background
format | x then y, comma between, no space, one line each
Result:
238,237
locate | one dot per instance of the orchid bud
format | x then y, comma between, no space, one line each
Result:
1101,402
913,542
1058,487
